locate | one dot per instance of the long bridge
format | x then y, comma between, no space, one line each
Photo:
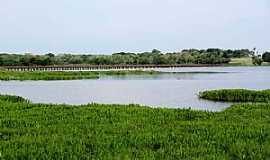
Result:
86,67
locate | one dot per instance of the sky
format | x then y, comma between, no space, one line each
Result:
108,26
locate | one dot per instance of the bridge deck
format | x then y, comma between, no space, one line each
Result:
99,67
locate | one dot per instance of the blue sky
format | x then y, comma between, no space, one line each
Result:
106,26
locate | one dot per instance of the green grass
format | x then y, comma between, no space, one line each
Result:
236,95
45,75
10,98
244,61
47,131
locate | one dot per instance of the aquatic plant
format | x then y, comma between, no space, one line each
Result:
61,75
11,98
236,95
95,131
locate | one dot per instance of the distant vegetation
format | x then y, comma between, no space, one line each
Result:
236,95
266,57
258,59
245,61
58,75
43,131
187,56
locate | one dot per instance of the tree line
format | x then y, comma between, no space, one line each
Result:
186,56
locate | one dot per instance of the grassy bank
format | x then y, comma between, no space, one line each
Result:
45,75
42,131
244,61
236,95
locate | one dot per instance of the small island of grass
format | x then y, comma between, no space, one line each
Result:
236,95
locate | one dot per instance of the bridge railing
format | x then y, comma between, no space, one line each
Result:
99,67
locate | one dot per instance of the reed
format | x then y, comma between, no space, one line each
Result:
15,99
95,131
236,95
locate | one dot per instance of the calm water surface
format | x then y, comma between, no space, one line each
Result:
166,90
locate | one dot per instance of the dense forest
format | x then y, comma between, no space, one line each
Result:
187,56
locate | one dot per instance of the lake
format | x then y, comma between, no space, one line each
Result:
168,90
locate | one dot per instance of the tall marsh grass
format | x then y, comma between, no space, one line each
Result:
63,75
236,95
15,99
93,131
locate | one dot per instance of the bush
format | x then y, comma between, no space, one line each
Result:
257,60
266,57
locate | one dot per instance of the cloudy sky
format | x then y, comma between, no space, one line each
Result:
106,26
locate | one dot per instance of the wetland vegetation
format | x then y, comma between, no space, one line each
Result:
61,75
236,95
95,131
78,75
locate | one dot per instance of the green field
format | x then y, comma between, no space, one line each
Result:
47,131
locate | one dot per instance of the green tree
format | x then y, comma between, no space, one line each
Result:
1,61
156,51
256,60
266,57
51,55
